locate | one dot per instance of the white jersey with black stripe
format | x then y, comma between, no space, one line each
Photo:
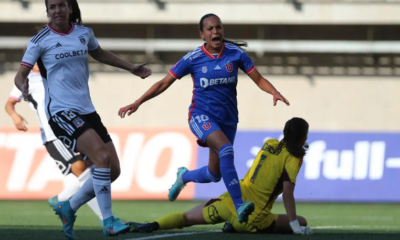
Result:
63,62
37,103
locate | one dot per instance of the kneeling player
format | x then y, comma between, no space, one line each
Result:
273,172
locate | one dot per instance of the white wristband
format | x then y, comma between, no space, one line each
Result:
294,225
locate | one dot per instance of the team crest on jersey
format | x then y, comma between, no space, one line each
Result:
204,69
206,126
78,122
229,67
82,39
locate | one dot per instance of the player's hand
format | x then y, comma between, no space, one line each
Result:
300,230
20,122
277,96
131,108
25,89
140,70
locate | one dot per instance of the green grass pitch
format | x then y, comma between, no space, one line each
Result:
34,220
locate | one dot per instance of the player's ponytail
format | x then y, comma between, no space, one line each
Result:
238,43
295,131
75,16
234,42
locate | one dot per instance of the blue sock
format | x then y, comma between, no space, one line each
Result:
229,174
102,188
200,175
84,195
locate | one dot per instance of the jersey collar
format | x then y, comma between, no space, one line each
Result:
210,55
70,29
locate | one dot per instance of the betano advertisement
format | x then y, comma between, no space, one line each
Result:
360,167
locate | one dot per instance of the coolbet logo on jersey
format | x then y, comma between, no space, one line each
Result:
204,82
71,54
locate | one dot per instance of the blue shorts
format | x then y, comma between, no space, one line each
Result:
202,125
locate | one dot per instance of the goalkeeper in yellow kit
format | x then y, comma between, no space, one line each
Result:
273,172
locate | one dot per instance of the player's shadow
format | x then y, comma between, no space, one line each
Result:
43,233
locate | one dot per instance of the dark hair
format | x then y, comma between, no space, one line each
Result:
75,16
234,42
295,131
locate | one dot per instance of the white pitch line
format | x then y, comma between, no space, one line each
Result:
354,227
171,235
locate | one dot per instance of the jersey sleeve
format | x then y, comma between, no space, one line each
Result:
31,55
180,69
93,44
292,168
15,94
246,64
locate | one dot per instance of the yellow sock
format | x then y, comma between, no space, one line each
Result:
171,221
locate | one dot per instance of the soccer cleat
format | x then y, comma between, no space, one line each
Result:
53,201
141,227
244,211
178,185
114,227
67,216
101,224
228,228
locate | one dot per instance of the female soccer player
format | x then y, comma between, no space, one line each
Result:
274,171
213,114
70,164
61,50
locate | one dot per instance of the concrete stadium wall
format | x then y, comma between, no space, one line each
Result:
328,103
237,12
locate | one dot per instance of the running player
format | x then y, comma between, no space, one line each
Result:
274,171
61,50
213,114
70,164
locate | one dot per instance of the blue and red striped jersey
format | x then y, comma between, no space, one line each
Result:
215,78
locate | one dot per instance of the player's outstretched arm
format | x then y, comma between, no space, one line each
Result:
109,58
154,91
19,121
266,86
290,206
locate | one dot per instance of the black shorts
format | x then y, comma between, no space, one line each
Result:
69,125
62,155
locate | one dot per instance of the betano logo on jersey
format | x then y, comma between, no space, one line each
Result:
204,82
71,54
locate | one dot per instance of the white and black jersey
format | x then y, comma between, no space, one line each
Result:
37,103
63,156
62,58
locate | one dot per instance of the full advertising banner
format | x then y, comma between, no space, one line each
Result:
339,166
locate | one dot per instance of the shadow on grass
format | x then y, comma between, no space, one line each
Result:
49,233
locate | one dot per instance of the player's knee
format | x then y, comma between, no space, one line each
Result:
189,221
78,167
103,157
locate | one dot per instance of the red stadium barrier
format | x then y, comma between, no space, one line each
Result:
149,160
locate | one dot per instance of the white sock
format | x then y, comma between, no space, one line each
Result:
92,203
84,176
71,186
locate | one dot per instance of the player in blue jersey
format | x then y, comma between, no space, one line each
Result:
213,114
